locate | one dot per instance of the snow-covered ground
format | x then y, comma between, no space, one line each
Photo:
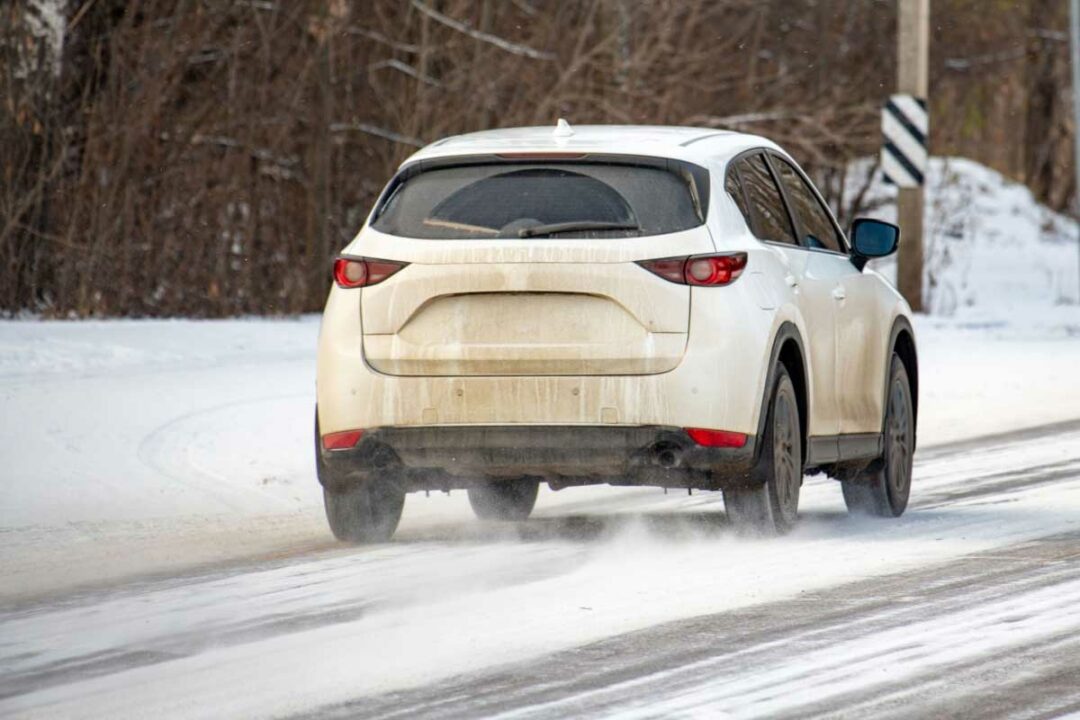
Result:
297,634
192,441
995,258
1002,286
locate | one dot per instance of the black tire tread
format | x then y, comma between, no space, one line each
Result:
505,500
869,492
365,513
757,510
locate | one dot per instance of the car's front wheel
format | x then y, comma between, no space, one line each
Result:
772,507
504,499
884,489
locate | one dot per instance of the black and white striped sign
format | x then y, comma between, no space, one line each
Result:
904,123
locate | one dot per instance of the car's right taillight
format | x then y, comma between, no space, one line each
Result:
354,272
706,270
716,438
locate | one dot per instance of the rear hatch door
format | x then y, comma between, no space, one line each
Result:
483,295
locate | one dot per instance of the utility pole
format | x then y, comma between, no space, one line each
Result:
913,79
1074,27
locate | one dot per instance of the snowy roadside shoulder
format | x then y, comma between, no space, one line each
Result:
994,257
977,380
1000,347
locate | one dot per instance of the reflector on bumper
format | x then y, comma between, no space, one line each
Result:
716,438
341,440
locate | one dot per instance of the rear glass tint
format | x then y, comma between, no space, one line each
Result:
770,218
501,200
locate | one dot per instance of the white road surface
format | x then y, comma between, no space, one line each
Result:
164,555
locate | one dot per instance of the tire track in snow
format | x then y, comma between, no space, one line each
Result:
995,634
188,617
42,647
165,449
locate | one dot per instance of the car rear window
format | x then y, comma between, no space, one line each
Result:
553,199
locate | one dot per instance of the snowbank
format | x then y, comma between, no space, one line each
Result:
995,258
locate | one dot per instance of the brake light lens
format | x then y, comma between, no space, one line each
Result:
706,270
716,438
352,272
342,440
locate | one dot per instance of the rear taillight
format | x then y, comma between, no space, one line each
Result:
716,438
342,440
709,270
361,272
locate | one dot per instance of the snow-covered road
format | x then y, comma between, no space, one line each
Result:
164,554
611,604
192,442
993,634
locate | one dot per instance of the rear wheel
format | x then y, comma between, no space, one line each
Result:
883,491
364,513
504,499
358,512
772,507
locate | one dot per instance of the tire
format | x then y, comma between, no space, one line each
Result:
883,490
505,499
771,508
359,512
365,513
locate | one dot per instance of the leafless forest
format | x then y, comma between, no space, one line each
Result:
209,157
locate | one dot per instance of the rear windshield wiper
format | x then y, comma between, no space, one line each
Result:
552,228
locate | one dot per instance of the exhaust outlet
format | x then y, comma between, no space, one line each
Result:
666,456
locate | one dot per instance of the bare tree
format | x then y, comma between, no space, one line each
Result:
208,157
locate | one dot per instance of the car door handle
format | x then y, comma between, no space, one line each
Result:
791,280
838,293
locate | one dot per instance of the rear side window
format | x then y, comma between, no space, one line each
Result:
547,199
817,229
768,217
735,190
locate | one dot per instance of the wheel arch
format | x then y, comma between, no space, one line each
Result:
787,348
902,343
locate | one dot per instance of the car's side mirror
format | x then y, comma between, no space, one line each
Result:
872,239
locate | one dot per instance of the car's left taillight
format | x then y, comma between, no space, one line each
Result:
344,440
706,270
354,272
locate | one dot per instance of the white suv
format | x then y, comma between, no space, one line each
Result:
660,306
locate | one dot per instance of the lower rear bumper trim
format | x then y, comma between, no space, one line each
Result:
455,456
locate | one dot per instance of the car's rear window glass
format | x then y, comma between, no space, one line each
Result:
500,200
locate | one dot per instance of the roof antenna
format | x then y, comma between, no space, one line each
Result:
562,129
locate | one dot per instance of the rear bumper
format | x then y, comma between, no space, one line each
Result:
449,457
